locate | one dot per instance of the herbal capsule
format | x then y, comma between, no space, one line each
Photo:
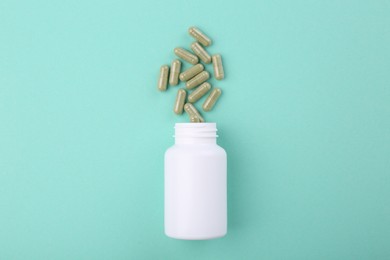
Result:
199,36
175,71
201,52
186,55
194,119
191,72
199,92
192,111
180,99
197,80
163,79
218,68
212,99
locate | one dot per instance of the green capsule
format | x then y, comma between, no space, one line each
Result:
199,92
212,99
218,68
163,79
191,72
199,36
197,80
194,119
180,100
186,55
192,111
201,52
174,74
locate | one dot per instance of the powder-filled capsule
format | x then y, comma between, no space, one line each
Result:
197,80
192,111
180,100
194,119
218,68
191,72
212,99
199,36
186,55
174,74
163,79
199,92
201,52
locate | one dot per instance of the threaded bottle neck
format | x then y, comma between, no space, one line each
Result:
195,133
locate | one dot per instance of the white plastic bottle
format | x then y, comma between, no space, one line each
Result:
195,184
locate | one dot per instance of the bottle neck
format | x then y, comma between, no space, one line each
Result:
196,133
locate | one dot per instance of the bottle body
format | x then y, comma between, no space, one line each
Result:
195,185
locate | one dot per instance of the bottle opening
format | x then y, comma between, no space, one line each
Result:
195,130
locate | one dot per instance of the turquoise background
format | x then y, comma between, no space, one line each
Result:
304,117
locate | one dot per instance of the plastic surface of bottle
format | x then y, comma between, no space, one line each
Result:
195,184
